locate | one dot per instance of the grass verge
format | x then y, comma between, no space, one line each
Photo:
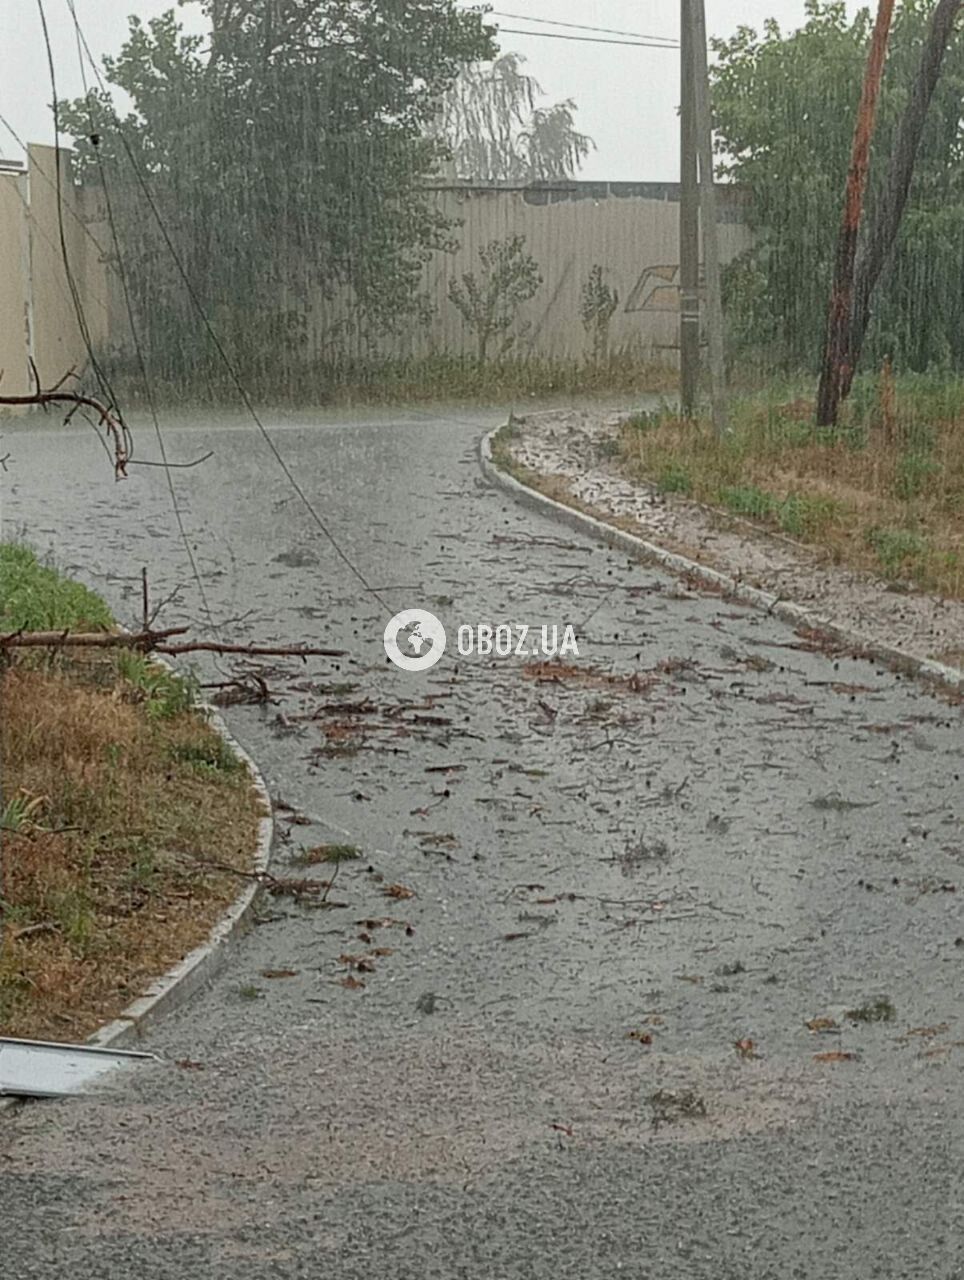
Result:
440,377
883,492
117,800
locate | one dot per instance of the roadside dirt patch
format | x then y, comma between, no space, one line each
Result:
121,813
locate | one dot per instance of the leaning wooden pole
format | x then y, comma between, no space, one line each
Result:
884,221
713,291
833,376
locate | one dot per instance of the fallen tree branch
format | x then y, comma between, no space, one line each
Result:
145,640
149,641
111,422
285,651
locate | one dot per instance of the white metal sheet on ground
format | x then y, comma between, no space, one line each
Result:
45,1069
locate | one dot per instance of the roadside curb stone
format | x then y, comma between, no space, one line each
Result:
925,669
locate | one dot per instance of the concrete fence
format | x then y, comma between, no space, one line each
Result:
38,314
626,230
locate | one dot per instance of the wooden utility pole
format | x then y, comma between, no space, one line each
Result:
689,224
885,219
834,374
713,288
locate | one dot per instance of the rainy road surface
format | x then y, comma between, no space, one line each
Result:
712,835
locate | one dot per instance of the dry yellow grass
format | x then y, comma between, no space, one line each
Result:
883,493
113,814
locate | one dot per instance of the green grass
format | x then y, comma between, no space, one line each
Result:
210,755
438,377
35,597
897,549
120,808
326,853
164,693
879,1010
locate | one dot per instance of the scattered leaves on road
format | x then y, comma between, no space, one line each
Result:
835,1055
644,1037
821,1025
746,1048
926,1032
398,891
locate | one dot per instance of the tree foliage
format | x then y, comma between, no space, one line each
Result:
784,113
284,155
597,306
489,303
496,132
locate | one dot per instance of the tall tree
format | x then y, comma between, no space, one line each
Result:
286,155
496,133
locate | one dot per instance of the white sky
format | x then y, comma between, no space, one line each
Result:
626,96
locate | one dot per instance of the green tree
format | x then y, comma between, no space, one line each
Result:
489,303
597,306
284,155
496,133
784,108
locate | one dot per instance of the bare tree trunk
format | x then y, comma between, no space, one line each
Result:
886,218
841,297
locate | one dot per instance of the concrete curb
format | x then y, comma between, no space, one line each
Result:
924,669
199,966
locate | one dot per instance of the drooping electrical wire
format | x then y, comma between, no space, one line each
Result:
213,336
135,337
46,178
103,380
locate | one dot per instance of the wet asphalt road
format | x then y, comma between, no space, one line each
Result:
713,836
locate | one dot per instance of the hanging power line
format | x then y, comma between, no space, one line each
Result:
210,331
141,363
103,382
45,176
581,26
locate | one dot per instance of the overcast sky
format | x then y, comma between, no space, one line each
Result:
626,96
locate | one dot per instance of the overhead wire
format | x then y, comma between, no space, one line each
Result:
216,341
668,41
562,35
135,337
101,377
